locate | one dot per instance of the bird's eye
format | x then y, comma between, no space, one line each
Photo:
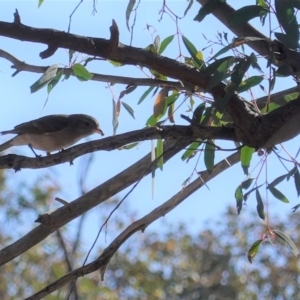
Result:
86,123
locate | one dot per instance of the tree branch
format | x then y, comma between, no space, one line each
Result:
22,66
174,132
108,189
141,224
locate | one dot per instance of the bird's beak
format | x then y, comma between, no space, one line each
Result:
98,130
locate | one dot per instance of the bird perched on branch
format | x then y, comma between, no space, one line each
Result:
52,133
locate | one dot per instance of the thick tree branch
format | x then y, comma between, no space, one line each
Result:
138,225
248,124
175,132
67,213
223,14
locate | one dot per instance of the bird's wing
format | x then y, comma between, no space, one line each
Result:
44,125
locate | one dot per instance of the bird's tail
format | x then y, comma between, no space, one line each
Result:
6,145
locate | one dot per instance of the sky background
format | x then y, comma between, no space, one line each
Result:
94,98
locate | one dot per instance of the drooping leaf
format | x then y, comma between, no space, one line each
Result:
49,74
238,73
246,156
260,206
246,13
249,83
129,9
239,199
285,14
146,93
287,40
251,191
253,250
153,157
171,113
278,180
159,153
285,238
190,150
198,112
192,51
40,3
221,73
54,81
209,156
157,44
128,108
246,184
160,102
222,51
188,7
208,8
115,120
165,43
277,194
128,90
81,72
297,181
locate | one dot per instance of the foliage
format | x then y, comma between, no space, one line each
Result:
213,78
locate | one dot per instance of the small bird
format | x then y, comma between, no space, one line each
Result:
52,133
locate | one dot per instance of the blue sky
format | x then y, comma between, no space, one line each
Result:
94,98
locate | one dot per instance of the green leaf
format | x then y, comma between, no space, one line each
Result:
260,205
297,181
165,43
157,44
287,40
246,13
54,81
152,121
188,7
128,146
209,156
291,96
277,194
239,199
278,180
246,156
193,52
198,112
129,9
239,71
208,8
40,3
115,120
153,167
81,72
115,63
146,93
159,153
128,108
49,74
222,51
249,192
285,238
286,17
253,250
249,83
246,184
221,73
190,150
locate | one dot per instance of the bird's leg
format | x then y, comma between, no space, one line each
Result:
29,145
